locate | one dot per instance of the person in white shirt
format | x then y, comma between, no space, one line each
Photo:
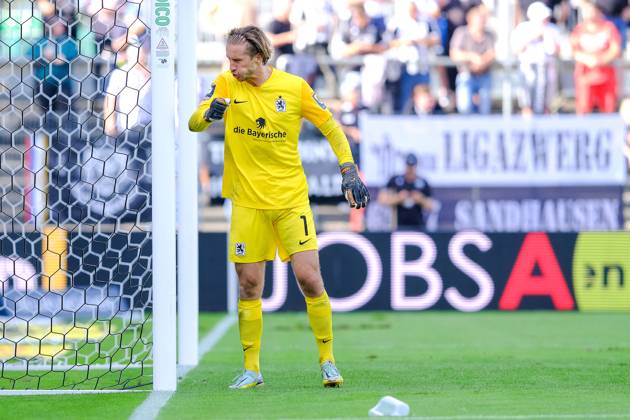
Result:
414,33
127,98
536,42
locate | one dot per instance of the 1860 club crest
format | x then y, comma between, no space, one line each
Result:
281,104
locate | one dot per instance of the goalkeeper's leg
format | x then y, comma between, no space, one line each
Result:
306,267
249,248
251,280
320,318
250,330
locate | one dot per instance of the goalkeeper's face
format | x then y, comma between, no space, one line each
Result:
242,65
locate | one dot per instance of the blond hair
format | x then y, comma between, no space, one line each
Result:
256,40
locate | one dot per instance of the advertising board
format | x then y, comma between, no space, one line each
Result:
466,271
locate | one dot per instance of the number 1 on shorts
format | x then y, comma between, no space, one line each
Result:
305,225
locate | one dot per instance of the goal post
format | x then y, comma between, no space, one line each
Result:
164,194
187,188
88,198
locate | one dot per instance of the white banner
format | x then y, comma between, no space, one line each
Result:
471,151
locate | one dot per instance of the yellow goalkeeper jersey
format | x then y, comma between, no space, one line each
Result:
262,166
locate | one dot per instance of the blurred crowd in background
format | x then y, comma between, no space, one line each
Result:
75,80
87,62
417,57
79,58
387,56
431,57
380,51
426,57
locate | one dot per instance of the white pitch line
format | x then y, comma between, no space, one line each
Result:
527,417
209,341
513,417
151,407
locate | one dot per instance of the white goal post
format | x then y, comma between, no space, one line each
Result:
166,13
187,188
164,194
92,283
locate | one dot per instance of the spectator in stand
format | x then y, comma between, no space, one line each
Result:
217,17
562,5
383,9
423,103
414,33
472,48
410,195
618,12
596,44
52,56
56,96
314,22
280,31
361,37
536,43
452,16
127,89
282,36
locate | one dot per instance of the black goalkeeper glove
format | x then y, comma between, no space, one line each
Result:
216,110
352,188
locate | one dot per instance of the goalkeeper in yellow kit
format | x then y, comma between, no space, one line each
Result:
263,176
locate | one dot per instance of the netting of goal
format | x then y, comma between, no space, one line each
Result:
75,184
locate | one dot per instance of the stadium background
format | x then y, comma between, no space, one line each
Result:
470,191
566,250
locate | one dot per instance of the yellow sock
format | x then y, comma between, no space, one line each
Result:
320,317
250,325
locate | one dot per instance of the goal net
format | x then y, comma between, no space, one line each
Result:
75,185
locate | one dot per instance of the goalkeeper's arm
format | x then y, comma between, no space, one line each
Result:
208,111
352,187
212,108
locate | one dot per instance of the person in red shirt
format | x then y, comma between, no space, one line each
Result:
596,43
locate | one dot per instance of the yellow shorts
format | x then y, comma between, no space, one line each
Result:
256,235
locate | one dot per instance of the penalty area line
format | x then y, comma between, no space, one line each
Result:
151,407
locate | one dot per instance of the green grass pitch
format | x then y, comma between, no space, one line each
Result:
488,364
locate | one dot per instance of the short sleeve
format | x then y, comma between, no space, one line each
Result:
457,39
313,109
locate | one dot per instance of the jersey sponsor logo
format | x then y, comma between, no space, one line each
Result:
236,101
269,136
319,102
209,94
261,123
239,249
281,104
